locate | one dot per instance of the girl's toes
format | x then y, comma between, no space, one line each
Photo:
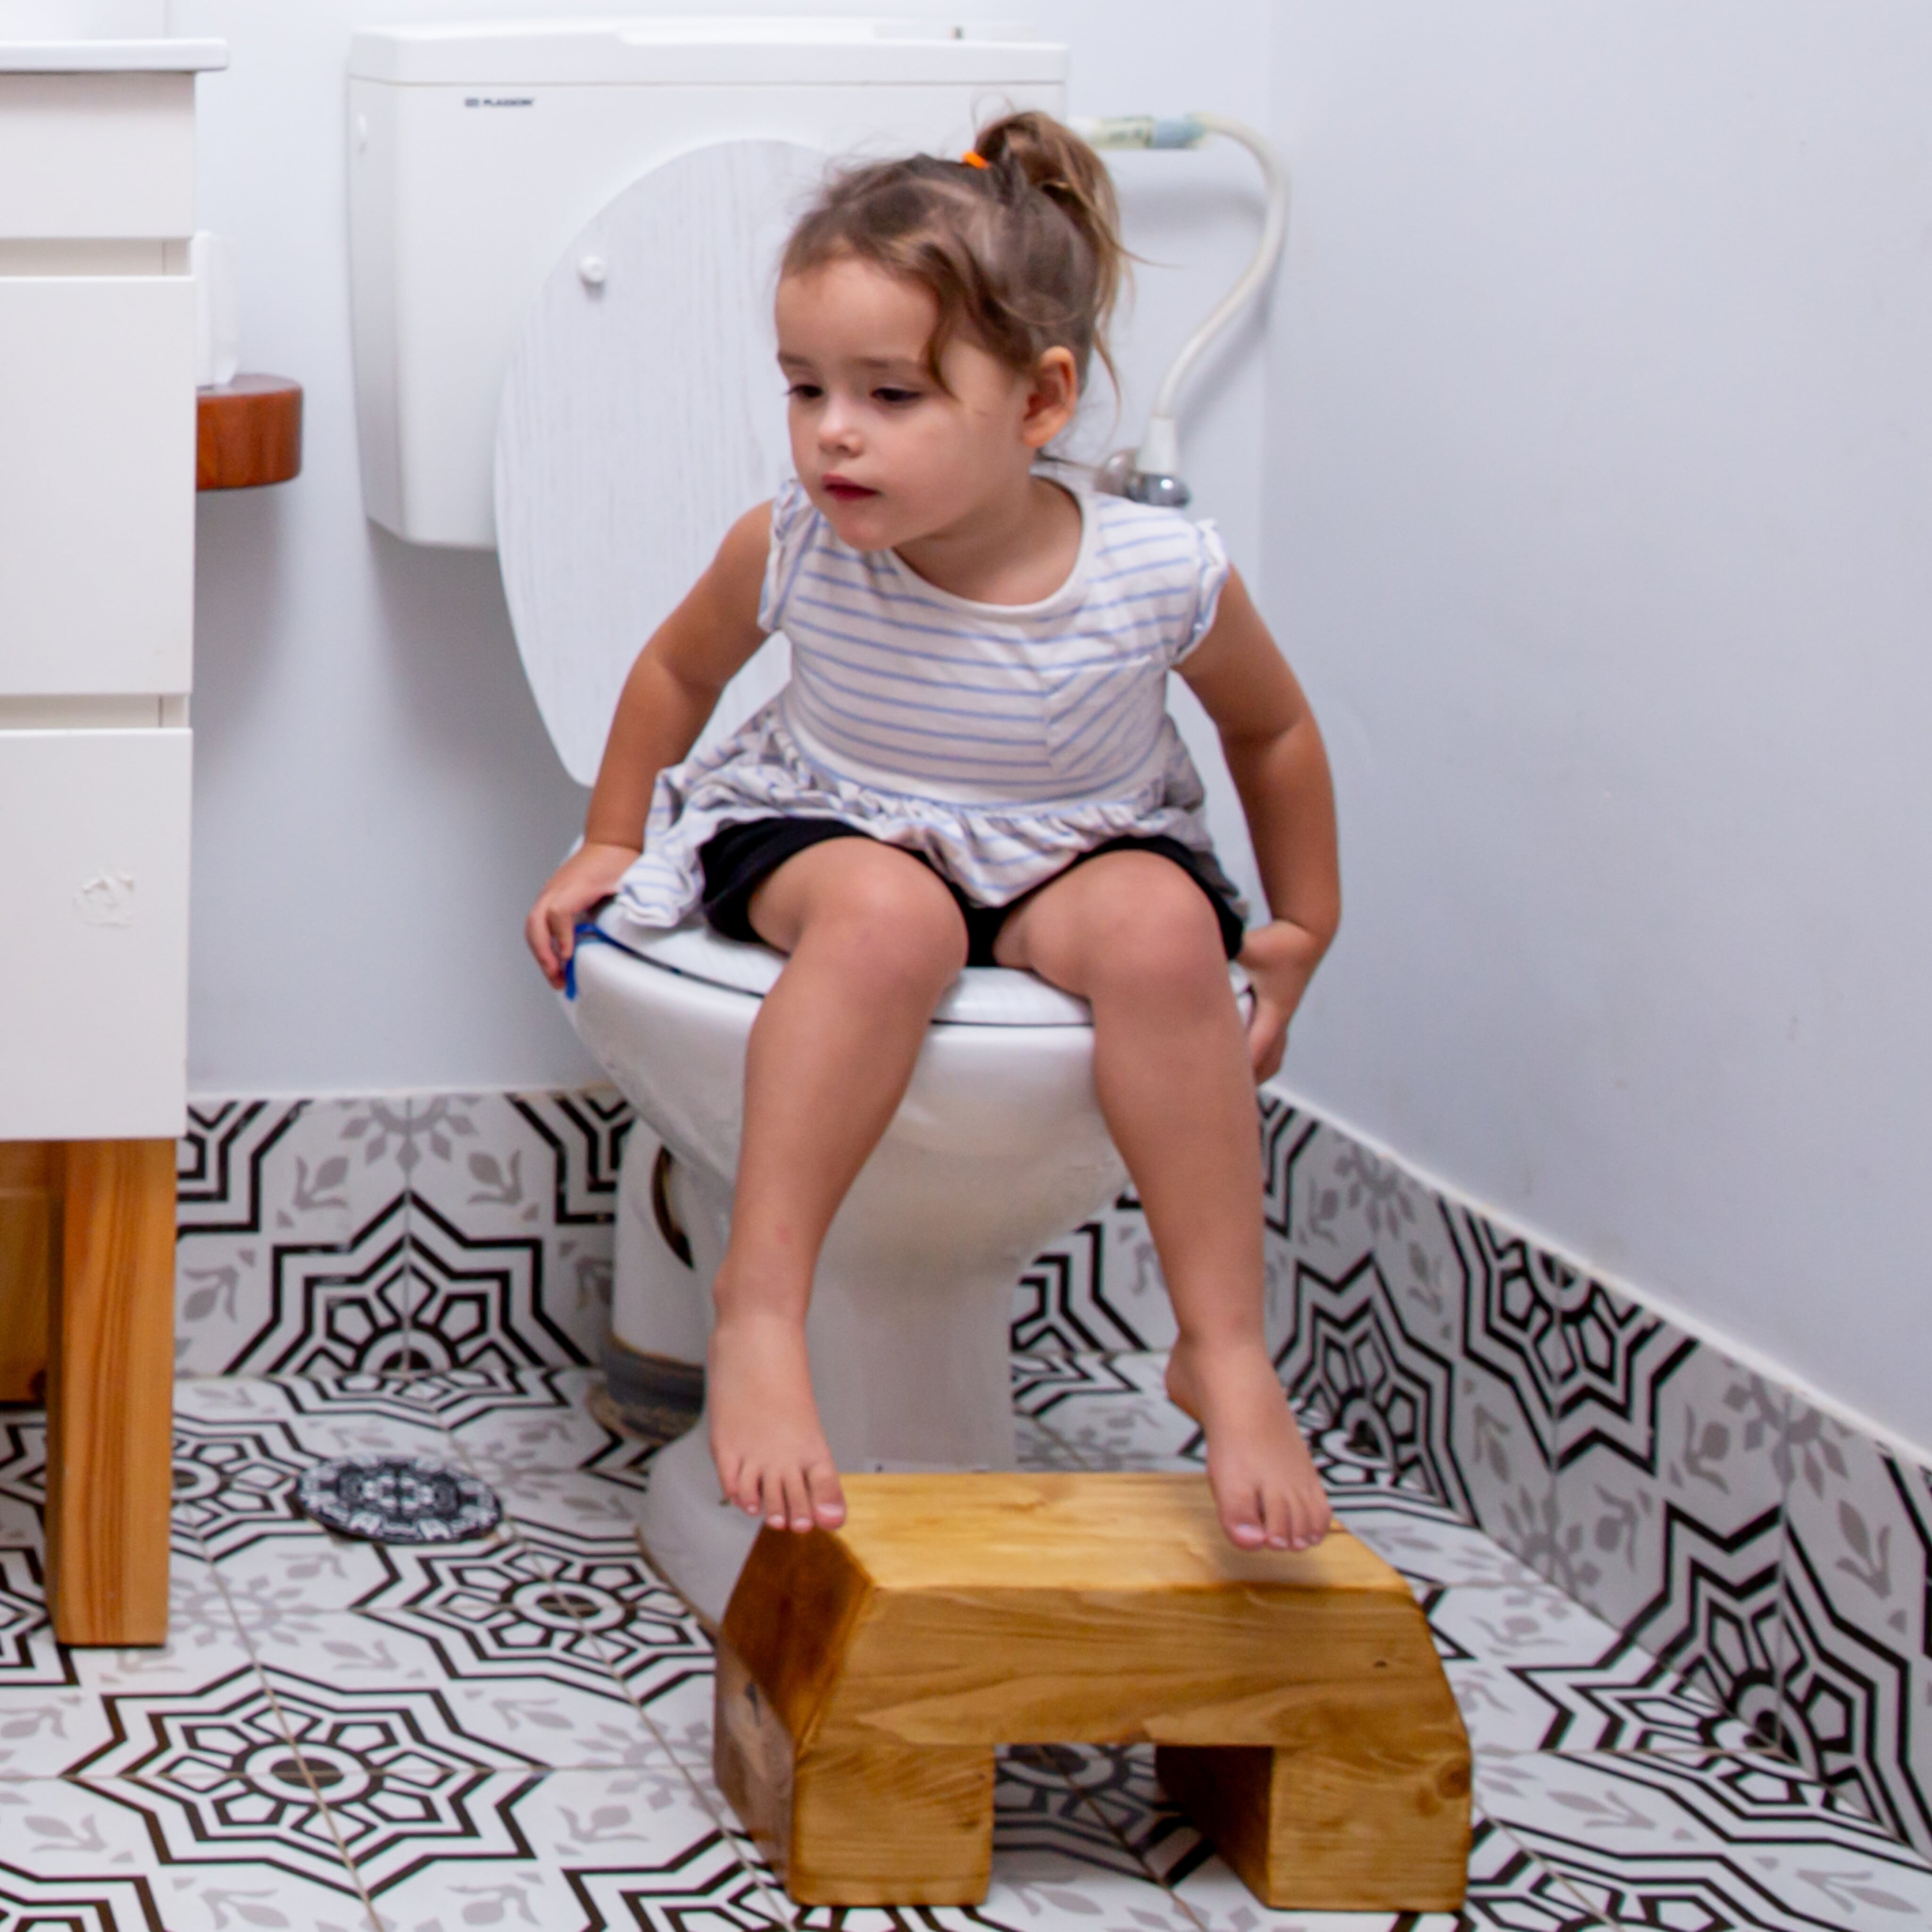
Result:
827,1497
1242,1522
797,1511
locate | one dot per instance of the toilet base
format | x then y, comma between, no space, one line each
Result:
696,1540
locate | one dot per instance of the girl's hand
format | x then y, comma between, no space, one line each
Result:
1280,960
591,873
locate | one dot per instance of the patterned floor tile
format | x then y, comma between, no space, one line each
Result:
617,1852
1729,1841
58,1827
234,1484
1426,1544
76,1904
279,1583
568,1500
205,1645
45,1731
1856,1664
287,1769
1533,1670
540,1420
249,1895
218,1399
1510,1890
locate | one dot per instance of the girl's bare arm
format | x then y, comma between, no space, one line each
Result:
1275,756
672,689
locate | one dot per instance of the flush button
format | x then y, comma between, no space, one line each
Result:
592,269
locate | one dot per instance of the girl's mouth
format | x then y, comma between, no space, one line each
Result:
842,490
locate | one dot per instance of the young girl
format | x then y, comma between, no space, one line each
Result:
972,764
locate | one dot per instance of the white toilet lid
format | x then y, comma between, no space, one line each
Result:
643,414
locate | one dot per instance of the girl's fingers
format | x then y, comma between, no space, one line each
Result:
1267,1039
537,937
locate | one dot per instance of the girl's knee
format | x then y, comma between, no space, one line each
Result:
1157,936
893,920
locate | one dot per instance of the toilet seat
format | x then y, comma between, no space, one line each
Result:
982,996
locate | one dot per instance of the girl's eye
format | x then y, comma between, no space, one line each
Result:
895,398
804,392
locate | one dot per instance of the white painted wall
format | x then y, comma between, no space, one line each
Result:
376,803
1599,494
1598,426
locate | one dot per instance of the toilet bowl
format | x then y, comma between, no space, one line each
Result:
998,1147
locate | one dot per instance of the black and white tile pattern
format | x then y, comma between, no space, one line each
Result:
515,1731
1631,1544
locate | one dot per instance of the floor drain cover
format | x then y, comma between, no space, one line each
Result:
397,1499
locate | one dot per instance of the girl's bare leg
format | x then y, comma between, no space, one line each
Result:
1135,936
874,939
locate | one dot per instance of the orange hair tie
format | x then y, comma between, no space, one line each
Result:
972,158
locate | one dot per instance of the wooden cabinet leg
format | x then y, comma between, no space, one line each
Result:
110,1385
29,1197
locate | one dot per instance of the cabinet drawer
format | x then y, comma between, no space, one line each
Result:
84,155
96,483
94,847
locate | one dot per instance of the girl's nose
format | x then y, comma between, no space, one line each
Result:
837,431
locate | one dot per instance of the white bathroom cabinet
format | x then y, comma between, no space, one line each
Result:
97,583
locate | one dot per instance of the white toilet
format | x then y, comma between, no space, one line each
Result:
640,411
998,1147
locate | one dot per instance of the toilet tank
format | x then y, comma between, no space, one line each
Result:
477,151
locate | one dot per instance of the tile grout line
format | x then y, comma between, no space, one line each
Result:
294,1743
728,1832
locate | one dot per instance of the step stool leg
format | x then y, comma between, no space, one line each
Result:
854,1821
1369,1813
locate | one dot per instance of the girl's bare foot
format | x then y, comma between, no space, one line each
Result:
1258,1467
772,1458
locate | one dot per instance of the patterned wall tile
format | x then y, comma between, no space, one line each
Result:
512,1200
291,1252
1364,1304
1508,1379
396,1235
1670,1495
1856,1710
1100,1288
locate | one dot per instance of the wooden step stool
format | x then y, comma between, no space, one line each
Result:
865,1676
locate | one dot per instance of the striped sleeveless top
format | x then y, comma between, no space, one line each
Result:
999,741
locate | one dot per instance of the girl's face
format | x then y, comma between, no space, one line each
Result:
886,453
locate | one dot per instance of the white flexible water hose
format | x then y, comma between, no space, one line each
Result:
1157,462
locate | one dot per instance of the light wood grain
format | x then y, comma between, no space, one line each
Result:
1297,1697
110,1385
28,1198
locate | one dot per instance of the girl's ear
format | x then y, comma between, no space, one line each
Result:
1053,393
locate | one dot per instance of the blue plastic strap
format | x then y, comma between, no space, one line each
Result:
587,932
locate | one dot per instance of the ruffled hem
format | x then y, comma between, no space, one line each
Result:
993,854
